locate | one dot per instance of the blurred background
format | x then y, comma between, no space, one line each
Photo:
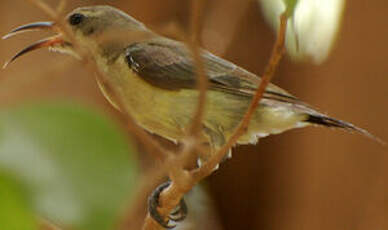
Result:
310,178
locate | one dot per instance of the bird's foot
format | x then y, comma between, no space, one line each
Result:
179,213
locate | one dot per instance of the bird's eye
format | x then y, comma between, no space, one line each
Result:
76,19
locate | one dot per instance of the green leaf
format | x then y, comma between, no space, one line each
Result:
15,209
290,6
77,166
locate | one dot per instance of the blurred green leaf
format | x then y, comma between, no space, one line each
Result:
290,6
76,165
15,209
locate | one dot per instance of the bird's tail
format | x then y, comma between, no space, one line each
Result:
320,119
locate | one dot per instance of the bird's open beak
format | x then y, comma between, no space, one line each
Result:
51,42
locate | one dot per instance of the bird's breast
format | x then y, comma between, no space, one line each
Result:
153,108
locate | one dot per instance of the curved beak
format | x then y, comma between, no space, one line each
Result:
50,42
30,27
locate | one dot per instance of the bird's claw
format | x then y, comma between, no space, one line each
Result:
179,213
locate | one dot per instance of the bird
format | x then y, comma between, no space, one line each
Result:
155,79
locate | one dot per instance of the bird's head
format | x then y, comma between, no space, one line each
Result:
93,27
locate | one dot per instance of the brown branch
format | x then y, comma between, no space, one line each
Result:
219,35
181,180
193,44
277,54
202,83
170,197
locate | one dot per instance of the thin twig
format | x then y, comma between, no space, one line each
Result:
202,83
170,197
181,180
277,54
61,7
45,8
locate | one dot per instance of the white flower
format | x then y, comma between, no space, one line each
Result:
311,30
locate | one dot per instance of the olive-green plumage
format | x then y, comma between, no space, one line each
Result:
155,78
156,81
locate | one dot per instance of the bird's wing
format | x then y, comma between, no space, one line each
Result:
168,64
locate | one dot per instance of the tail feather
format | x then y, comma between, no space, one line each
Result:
323,120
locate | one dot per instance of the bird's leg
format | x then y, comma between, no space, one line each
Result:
179,213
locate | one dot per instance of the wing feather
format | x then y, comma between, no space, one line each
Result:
168,64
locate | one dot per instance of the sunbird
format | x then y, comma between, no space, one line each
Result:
155,79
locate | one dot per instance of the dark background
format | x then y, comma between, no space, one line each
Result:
311,178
